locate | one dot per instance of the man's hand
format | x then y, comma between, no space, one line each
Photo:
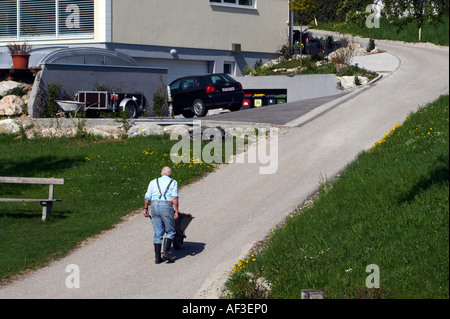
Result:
146,204
175,207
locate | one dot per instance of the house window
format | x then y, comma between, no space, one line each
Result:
46,19
228,68
238,3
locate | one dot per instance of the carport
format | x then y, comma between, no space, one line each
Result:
76,69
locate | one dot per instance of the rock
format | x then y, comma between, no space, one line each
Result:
348,82
50,132
106,131
11,105
145,129
9,127
358,49
5,86
363,80
26,97
376,51
177,129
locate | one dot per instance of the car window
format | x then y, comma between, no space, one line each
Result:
190,83
175,85
219,79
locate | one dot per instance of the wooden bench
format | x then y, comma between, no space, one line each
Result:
46,203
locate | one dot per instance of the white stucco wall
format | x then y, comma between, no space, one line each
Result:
197,24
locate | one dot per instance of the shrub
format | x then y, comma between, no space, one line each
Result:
371,45
159,102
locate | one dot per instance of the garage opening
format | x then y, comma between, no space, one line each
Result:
177,68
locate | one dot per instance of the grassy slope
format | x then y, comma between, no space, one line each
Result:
390,208
433,33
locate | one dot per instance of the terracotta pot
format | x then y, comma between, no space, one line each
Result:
20,61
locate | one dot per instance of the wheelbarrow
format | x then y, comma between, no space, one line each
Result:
181,224
70,107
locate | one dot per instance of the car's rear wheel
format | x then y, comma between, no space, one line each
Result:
199,108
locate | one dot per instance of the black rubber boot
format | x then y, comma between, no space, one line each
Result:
158,258
166,250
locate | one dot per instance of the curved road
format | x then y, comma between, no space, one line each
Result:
236,206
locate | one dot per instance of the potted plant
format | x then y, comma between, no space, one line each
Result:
20,54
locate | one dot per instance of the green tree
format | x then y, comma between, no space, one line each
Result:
327,11
404,12
302,5
355,11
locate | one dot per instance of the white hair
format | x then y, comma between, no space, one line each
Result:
166,171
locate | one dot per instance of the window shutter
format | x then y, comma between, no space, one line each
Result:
46,19
75,17
8,19
37,18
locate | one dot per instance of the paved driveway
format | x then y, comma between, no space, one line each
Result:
278,114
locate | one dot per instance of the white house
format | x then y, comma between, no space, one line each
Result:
184,36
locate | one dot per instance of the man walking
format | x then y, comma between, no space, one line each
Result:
163,195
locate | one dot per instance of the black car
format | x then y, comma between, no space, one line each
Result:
195,95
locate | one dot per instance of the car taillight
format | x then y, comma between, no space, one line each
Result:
210,89
114,97
240,85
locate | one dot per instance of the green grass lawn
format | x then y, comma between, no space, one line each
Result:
104,181
390,207
433,33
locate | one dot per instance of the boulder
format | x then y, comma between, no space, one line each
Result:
145,129
50,132
177,129
358,49
376,51
5,86
106,131
11,105
348,82
9,127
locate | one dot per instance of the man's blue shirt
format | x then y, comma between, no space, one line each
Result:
153,191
